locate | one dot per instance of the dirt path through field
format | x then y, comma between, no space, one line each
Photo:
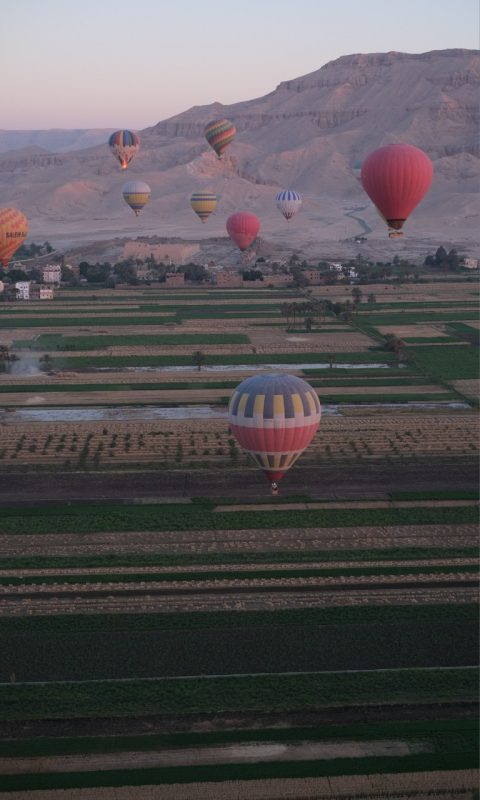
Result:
251,752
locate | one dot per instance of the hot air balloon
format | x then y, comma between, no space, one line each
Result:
124,146
203,203
219,133
13,232
242,228
274,417
396,178
136,195
288,202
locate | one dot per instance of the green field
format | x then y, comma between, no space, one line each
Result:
169,517
70,700
458,362
206,626
214,559
54,341
249,643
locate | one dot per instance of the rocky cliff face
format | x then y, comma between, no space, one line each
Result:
307,134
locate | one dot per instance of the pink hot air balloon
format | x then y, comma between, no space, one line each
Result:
396,178
243,228
274,417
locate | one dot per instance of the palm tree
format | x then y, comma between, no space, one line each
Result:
199,359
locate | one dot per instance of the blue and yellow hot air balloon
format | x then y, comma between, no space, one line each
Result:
136,195
274,417
124,146
219,133
203,203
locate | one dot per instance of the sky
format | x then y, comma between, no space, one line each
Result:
132,63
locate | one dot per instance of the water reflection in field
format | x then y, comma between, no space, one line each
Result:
153,413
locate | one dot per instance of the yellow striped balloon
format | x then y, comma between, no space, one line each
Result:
13,232
203,203
136,195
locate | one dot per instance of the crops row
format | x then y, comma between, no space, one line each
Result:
240,693
200,443
440,784
234,649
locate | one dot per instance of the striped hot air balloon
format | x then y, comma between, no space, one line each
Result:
396,178
288,202
274,417
203,203
219,134
136,195
13,232
124,146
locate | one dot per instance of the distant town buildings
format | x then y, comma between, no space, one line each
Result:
25,290
348,272
223,277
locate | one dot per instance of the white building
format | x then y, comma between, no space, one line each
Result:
22,289
470,263
52,273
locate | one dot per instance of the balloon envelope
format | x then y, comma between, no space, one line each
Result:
124,146
274,417
219,133
13,232
396,178
203,203
136,195
288,203
243,227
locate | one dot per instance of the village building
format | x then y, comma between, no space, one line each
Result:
22,290
470,263
144,273
174,279
45,293
52,273
227,278
314,276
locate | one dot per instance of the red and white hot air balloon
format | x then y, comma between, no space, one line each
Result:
274,417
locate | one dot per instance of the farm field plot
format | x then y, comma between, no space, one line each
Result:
198,443
438,291
154,588
460,783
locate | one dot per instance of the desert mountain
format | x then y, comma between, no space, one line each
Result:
55,140
306,134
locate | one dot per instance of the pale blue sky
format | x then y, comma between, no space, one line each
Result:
131,63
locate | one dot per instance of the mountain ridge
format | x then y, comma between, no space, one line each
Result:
305,134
